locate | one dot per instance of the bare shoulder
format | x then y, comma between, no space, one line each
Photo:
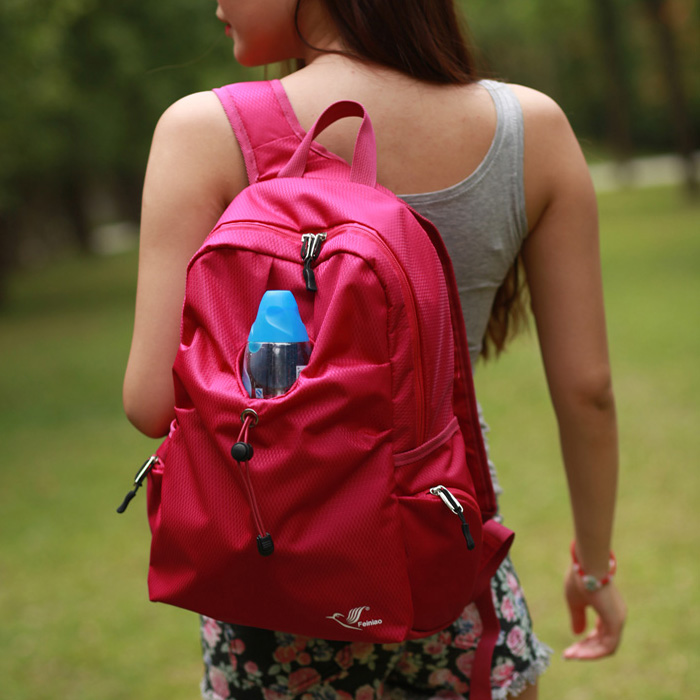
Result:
538,107
553,160
546,125
199,110
194,136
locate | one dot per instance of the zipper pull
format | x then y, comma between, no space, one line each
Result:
310,248
242,452
141,474
456,507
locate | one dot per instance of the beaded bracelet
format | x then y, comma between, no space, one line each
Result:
591,583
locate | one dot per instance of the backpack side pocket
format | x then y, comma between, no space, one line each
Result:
442,529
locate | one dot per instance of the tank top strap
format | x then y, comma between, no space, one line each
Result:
510,129
267,129
508,153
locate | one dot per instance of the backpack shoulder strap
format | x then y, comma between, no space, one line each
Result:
257,119
267,129
464,398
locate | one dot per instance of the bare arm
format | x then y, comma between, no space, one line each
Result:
194,169
562,260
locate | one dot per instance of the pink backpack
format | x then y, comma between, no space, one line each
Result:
364,512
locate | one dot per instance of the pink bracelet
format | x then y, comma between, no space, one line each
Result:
591,583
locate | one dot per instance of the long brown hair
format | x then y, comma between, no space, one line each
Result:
421,38
428,40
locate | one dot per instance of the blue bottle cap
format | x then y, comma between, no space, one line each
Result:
278,320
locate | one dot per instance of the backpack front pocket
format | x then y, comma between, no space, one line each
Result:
442,560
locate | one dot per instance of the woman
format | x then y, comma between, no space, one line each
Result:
499,171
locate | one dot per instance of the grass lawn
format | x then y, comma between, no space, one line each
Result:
76,622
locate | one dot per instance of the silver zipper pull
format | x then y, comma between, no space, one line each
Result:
141,474
310,248
456,507
448,499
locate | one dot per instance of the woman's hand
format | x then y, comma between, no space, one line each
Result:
611,612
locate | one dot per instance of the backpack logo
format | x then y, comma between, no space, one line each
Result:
352,620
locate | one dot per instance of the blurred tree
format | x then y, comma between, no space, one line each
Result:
83,85
556,52
665,16
616,76
560,48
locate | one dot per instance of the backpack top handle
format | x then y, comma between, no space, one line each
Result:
364,160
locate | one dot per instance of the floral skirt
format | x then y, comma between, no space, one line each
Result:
246,663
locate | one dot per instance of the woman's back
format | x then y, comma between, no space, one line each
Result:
480,217
429,137
432,134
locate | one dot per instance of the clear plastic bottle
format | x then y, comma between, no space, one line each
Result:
278,346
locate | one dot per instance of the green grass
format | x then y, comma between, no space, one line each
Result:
75,619
651,265
76,622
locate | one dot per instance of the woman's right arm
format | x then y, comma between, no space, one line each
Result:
195,168
562,260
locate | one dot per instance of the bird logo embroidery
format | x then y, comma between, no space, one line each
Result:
352,620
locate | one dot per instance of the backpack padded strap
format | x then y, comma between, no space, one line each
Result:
261,126
228,96
480,679
497,542
464,397
268,131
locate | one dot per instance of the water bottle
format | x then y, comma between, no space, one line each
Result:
278,346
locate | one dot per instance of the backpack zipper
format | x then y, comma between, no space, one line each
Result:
141,474
311,244
415,331
456,507
310,248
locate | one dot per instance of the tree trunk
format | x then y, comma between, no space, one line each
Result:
74,199
616,78
8,248
659,14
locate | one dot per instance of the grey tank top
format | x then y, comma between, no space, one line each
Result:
483,223
482,218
